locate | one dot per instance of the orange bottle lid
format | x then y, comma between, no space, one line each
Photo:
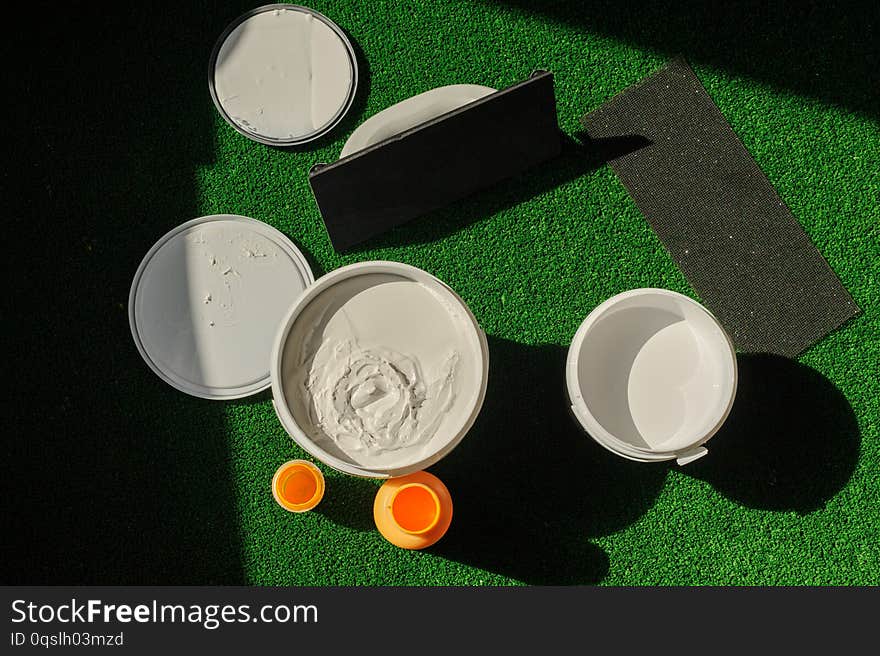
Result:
414,511
298,485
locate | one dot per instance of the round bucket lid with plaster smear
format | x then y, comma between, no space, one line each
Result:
283,74
207,300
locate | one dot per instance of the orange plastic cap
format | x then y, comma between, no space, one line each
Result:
414,511
415,508
298,485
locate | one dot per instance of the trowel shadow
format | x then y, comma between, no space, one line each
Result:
580,156
791,441
530,488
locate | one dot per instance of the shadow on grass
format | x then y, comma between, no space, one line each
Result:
814,49
112,477
349,501
791,441
530,487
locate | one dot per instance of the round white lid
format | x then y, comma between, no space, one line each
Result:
411,112
207,300
283,74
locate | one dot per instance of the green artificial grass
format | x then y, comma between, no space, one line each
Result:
114,477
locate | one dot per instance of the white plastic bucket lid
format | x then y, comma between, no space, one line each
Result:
651,375
206,302
283,74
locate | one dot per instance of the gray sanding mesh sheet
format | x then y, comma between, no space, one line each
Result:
716,212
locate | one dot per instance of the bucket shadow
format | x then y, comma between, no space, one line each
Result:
791,441
530,488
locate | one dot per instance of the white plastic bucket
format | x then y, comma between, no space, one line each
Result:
651,375
378,308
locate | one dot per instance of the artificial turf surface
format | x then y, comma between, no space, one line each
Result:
114,477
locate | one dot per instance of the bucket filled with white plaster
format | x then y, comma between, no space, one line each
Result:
379,369
651,375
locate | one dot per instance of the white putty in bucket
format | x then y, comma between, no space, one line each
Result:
283,74
375,400
382,369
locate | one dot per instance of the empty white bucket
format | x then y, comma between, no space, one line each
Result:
651,375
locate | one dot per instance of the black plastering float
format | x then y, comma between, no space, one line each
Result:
438,161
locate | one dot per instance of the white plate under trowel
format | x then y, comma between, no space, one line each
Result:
411,112
207,300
